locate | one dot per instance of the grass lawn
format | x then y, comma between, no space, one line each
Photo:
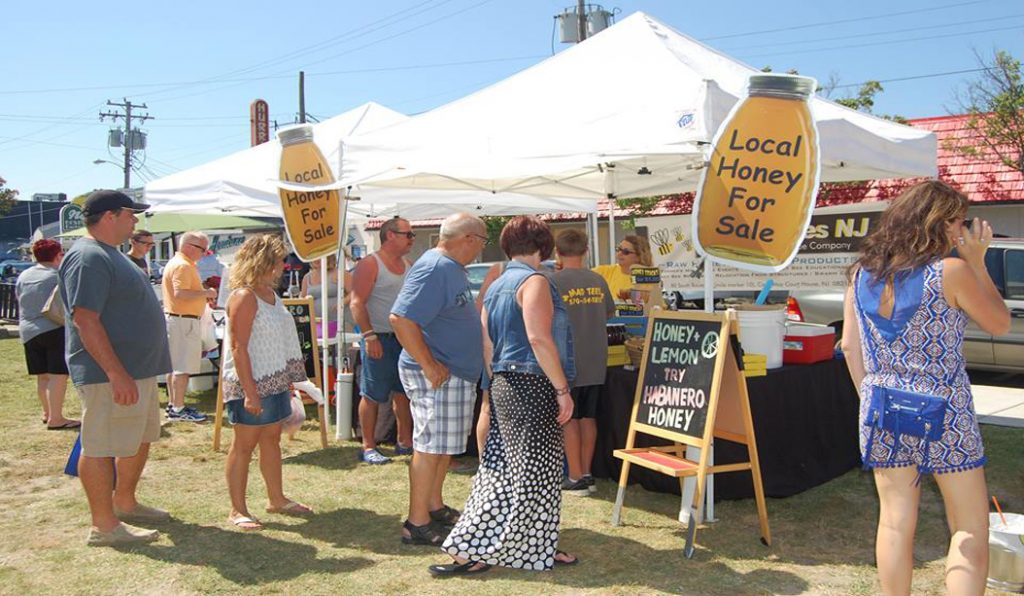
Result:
823,538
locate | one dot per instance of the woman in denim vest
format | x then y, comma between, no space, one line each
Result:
512,515
905,314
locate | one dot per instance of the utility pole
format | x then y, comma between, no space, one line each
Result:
581,21
132,136
302,97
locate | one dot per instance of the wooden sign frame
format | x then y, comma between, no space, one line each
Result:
218,420
728,417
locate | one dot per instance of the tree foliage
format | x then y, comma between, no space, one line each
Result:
7,197
994,105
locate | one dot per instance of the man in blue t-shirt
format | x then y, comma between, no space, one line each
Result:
438,326
116,347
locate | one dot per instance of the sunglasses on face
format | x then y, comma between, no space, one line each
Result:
624,251
199,246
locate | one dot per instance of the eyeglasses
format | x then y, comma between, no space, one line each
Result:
144,243
624,251
409,235
199,246
482,238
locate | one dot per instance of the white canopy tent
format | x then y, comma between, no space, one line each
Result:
628,112
243,183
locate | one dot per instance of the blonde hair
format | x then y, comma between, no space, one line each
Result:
257,256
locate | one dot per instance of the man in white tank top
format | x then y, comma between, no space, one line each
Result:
376,282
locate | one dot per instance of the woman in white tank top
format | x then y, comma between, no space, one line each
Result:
262,360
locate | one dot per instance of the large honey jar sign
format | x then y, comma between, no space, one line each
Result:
310,216
757,193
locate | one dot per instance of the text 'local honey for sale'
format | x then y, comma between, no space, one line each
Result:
311,217
757,194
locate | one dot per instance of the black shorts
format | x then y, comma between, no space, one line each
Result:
585,400
44,353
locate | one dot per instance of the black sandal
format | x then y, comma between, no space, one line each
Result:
424,535
446,516
575,559
451,569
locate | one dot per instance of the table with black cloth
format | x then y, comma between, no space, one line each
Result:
805,421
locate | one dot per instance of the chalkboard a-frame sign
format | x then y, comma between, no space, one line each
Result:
301,310
691,390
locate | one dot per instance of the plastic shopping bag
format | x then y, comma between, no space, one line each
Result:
293,422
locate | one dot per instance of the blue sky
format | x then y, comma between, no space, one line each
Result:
198,65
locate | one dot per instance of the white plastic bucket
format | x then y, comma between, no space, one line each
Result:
762,329
1006,552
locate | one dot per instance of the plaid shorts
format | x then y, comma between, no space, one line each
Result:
441,418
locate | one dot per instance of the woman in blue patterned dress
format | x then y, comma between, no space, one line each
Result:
905,313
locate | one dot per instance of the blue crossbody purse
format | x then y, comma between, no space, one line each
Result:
900,411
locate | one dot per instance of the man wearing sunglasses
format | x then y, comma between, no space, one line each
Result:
142,242
184,302
376,282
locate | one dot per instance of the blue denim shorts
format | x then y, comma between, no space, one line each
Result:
379,377
276,408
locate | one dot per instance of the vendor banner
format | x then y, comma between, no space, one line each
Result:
829,246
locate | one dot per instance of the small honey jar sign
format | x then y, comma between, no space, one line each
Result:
311,216
757,194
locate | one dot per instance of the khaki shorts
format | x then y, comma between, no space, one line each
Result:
185,340
112,430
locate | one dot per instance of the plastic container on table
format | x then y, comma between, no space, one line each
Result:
807,344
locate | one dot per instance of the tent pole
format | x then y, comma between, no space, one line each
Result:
611,229
325,350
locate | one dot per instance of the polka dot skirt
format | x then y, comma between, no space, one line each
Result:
511,517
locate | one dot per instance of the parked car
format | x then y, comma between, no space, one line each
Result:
478,271
1005,262
10,270
156,270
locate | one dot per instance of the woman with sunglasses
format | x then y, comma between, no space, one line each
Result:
632,250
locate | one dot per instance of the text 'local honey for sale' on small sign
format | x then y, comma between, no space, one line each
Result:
311,217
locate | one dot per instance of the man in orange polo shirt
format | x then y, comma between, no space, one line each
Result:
184,301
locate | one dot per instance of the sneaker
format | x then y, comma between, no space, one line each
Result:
575,487
186,414
400,450
591,483
121,534
374,457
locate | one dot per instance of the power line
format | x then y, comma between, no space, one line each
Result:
872,34
841,21
349,51
882,43
910,78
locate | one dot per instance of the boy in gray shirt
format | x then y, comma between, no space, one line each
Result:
589,303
